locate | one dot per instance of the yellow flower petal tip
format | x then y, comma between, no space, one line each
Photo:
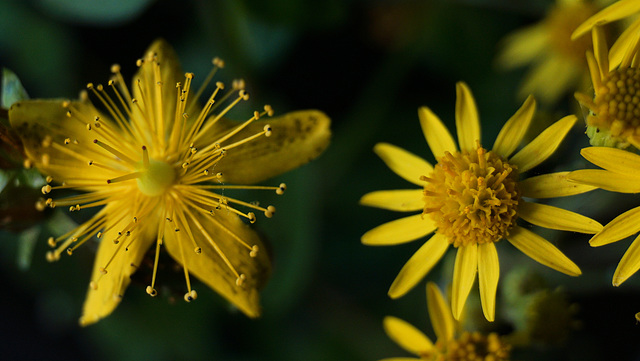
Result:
156,166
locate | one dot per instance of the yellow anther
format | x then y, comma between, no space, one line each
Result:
151,291
254,251
52,256
268,110
270,211
51,242
46,189
69,251
93,285
197,250
89,86
67,140
281,188
99,235
252,217
240,280
102,270
49,179
267,130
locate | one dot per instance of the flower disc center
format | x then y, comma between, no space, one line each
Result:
472,197
155,178
617,104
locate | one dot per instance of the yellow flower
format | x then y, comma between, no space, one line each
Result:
614,111
472,198
448,347
558,64
616,11
621,173
155,166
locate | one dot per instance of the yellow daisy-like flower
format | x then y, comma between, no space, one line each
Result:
471,199
616,11
621,173
156,165
615,109
465,347
558,64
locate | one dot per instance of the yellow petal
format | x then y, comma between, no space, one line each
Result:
467,121
163,88
542,251
622,226
297,138
543,145
43,127
436,133
464,274
488,275
613,159
440,313
625,41
547,216
208,266
523,46
403,200
111,286
552,185
550,78
600,51
616,182
407,336
618,10
403,163
419,265
629,264
399,231
515,128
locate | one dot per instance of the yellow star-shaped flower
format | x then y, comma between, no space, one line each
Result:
159,169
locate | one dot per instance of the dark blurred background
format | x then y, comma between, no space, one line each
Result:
369,65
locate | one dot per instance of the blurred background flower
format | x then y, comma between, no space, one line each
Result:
369,65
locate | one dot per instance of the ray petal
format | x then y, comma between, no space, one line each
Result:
616,11
488,275
404,200
547,216
403,163
622,226
601,51
407,336
515,128
629,264
544,144
399,231
467,121
551,185
542,251
419,265
523,46
624,42
464,274
616,182
613,159
440,313
436,133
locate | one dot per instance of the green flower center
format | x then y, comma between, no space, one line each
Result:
155,178
472,196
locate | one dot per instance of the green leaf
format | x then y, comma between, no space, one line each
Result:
26,243
12,89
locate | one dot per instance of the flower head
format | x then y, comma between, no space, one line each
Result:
614,111
472,198
465,346
558,64
154,165
621,173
